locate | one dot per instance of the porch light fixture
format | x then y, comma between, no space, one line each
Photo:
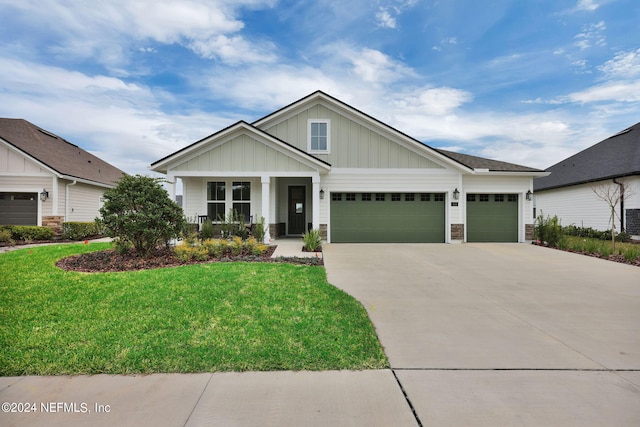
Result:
44,195
321,193
528,195
456,194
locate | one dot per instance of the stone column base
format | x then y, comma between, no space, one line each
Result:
457,231
54,223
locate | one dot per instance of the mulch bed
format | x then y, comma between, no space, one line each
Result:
111,261
613,257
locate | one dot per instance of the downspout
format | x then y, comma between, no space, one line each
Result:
621,204
66,200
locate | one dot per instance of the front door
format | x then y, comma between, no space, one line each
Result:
297,215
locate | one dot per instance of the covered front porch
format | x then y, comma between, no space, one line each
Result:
289,203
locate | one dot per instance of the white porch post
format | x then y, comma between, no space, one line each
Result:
316,202
266,181
171,186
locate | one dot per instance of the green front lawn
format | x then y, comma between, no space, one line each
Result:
197,318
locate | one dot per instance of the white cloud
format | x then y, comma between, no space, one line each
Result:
101,29
591,35
625,65
374,66
587,5
385,20
612,92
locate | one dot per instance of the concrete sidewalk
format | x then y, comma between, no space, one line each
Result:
329,398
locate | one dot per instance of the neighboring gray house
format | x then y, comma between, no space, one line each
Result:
567,191
320,163
45,180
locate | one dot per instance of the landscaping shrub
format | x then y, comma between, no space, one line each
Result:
631,253
5,236
80,230
259,231
31,232
186,252
207,230
236,245
548,230
138,210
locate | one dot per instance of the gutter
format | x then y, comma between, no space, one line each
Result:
621,185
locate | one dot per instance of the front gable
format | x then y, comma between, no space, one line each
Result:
240,149
356,139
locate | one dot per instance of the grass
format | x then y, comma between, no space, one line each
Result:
197,318
630,251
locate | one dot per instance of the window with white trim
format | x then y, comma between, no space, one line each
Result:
216,195
319,136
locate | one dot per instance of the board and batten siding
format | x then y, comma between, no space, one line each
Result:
352,144
11,161
576,205
241,154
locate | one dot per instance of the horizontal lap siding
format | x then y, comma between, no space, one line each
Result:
84,202
576,205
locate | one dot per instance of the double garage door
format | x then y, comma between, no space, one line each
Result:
18,208
419,217
387,217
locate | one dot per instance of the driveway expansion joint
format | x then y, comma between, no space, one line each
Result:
406,398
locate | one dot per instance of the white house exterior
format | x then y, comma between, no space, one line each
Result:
568,192
320,163
45,180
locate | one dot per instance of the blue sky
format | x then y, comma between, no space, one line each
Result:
524,81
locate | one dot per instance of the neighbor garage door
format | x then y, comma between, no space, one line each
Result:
492,217
387,217
18,209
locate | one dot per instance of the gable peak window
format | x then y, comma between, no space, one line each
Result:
319,135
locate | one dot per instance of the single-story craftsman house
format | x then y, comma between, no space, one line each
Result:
45,180
320,163
568,191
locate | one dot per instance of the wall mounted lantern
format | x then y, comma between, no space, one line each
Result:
44,195
528,195
321,193
456,194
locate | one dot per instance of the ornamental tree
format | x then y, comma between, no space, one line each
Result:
138,211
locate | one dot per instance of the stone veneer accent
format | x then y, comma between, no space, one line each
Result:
54,223
528,232
457,231
323,231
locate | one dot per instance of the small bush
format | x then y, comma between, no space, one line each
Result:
79,230
121,246
31,232
259,249
605,250
548,230
631,253
591,246
259,230
207,230
186,252
236,245
5,236
312,240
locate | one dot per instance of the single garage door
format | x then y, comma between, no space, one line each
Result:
492,217
18,209
387,218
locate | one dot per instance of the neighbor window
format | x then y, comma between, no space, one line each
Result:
319,134
242,199
216,195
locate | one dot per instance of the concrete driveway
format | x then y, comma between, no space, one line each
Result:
502,334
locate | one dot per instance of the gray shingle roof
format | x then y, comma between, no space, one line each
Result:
616,156
60,155
482,163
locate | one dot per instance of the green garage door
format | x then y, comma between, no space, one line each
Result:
387,217
492,217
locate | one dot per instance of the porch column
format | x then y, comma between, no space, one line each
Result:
171,186
266,181
315,202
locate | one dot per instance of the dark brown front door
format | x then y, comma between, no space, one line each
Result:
297,215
